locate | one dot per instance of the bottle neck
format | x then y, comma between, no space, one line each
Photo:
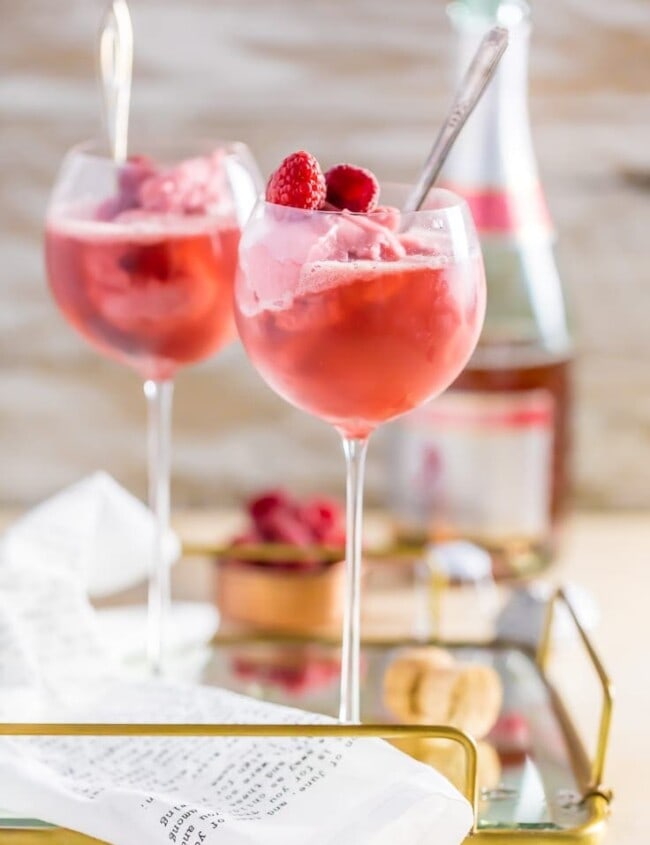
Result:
493,162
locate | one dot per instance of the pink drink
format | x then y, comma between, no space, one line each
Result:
154,293
361,341
356,313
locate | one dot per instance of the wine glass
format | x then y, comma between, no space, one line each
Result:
141,259
358,318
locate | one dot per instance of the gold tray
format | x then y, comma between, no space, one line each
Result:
580,817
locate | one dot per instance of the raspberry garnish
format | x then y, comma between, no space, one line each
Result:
354,188
298,182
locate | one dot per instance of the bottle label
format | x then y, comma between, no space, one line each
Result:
479,464
499,211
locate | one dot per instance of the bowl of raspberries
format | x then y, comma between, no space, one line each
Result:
295,584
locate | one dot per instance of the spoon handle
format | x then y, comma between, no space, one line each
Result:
115,69
476,78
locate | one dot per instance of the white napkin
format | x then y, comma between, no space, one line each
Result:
191,623
224,791
55,666
94,529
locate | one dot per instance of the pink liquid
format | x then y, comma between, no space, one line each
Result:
155,299
368,341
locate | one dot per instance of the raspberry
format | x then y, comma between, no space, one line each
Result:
354,188
277,517
261,505
298,182
324,519
280,526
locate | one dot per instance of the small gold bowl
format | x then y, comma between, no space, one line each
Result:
283,599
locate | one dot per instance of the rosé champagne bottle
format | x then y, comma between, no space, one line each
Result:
488,461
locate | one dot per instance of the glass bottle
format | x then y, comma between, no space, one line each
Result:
488,461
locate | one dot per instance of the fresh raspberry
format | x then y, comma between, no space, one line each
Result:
324,518
298,182
261,505
354,188
278,517
282,526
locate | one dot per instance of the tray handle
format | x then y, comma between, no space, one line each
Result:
597,764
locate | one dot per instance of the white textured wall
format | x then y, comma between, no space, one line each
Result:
349,79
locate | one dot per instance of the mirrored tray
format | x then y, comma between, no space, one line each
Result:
547,788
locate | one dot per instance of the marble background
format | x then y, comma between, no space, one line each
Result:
349,79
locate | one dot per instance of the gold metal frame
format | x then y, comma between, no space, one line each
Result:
595,798
597,767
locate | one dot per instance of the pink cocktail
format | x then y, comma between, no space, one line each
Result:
367,341
357,318
141,259
155,295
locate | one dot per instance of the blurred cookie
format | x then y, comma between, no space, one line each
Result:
426,686
466,696
404,676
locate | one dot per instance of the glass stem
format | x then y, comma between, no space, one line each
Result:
355,457
159,396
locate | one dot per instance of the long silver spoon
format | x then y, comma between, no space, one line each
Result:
115,70
472,86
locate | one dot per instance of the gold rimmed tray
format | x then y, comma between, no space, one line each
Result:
553,793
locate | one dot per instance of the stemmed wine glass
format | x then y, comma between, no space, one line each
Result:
141,259
358,318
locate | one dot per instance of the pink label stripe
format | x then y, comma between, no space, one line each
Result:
531,417
502,211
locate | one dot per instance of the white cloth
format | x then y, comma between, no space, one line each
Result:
55,666
94,529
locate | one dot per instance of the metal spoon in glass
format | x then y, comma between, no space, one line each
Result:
476,78
115,60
